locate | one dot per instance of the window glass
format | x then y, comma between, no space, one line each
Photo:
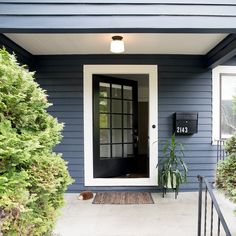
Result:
227,105
116,150
128,135
116,121
116,91
104,135
104,89
128,107
104,121
117,136
116,106
105,151
104,105
128,150
128,121
128,92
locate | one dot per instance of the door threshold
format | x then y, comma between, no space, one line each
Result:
132,175
121,182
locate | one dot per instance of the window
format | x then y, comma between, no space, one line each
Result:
224,102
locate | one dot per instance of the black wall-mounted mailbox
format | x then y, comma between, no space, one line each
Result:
185,123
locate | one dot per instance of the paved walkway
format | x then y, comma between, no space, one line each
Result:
166,217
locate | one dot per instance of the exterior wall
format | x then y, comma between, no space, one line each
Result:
231,62
112,15
184,85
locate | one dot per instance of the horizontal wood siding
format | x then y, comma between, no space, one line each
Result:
231,62
183,86
190,2
112,9
103,15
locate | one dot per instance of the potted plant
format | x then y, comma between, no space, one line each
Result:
173,169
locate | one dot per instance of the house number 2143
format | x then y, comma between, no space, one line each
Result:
182,130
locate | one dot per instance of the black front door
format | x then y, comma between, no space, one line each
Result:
115,126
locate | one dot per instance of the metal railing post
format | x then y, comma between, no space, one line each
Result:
199,207
220,150
214,207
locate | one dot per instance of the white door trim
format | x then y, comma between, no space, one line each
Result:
152,71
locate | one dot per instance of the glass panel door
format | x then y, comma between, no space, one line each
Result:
115,122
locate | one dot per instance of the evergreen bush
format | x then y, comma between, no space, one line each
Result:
226,176
230,146
33,178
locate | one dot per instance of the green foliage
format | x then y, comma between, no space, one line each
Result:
174,170
226,176
234,104
32,177
230,146
226,169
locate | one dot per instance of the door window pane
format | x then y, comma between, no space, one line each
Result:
116,150
128,107
128,135
116,136
105,151
116,106
116,121
104,89
116,91
128,92
104,121
104,105
228,108
128,150
105,136
128,121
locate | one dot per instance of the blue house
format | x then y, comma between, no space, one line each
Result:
178,59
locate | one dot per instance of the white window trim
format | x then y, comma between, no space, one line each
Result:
152,71
216,76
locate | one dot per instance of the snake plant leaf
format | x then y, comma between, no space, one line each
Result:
174,170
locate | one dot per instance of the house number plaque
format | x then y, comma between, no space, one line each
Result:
181,130
185,123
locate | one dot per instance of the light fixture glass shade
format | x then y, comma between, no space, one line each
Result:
117,44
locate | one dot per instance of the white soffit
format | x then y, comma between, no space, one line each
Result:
51,44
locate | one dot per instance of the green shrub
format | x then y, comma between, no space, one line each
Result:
226,176
32,177
230,146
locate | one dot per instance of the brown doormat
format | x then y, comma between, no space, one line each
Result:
123,198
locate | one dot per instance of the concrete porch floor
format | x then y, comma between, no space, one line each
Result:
165,218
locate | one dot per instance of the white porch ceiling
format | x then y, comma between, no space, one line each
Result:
51,44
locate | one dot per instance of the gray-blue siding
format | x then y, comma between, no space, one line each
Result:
231,62
184,85
117,15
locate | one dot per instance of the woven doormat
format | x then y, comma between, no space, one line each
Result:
123,198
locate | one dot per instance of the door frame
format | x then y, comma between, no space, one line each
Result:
152,71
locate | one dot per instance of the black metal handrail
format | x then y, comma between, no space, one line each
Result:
214,205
